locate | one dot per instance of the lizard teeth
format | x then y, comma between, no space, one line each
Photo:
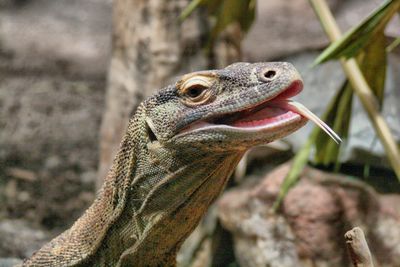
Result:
301,109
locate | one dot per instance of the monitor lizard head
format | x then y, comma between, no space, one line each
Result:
234,108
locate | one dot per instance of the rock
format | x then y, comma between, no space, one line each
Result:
53,60
259,238
88,177
49,129
20,240
53,162
50,116
309,228
311,209
282,28
386,232
9,262
68,36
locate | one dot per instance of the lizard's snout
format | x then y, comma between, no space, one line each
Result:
274,70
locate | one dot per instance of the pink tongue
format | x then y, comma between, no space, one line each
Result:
265,116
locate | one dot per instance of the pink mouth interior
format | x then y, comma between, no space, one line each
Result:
294,89
268,115
270,112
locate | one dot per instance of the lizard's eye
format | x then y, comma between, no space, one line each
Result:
195,90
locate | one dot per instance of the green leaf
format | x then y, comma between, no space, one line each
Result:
338,114
189,9
225,12
373,65
358,37
231,11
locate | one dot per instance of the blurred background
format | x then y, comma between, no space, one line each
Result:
72,72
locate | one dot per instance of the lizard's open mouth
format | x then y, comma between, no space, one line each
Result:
271,114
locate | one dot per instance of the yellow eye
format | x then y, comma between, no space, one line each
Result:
195,89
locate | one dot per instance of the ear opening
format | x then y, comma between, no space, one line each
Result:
151,134
150,130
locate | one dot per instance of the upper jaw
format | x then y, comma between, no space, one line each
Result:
266,115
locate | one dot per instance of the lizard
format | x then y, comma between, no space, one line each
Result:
179,149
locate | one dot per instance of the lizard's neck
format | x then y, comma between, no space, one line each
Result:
172,212
167,198
151,200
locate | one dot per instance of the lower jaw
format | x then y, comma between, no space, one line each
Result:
267,122
246,138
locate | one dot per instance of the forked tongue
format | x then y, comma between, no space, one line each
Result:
299,108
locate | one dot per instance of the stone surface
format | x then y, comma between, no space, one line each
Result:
259,238
45,117
69,36
19,239
53,60
386,232
9,262
282,28
48,146
309,229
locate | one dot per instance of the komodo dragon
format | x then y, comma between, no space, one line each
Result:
174,160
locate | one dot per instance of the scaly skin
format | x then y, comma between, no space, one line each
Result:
170,167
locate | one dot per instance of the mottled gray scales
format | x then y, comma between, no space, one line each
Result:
180,147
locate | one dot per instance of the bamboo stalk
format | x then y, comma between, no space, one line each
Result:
361,87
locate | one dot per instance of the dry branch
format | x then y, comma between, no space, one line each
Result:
358,248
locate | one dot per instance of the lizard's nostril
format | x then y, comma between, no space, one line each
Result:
270,74
267,75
